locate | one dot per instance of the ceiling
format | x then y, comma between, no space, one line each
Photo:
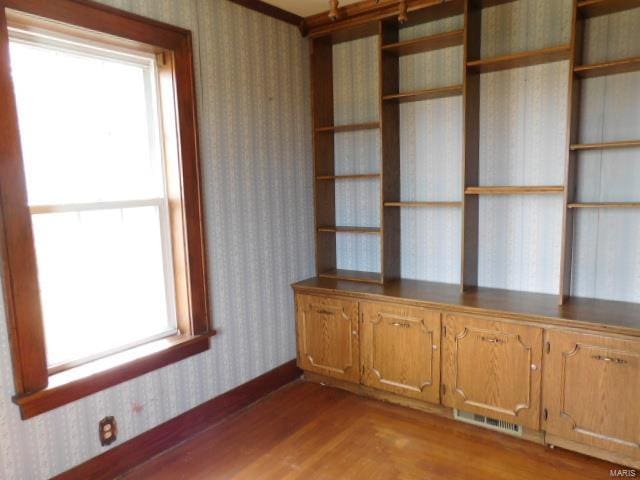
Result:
304,8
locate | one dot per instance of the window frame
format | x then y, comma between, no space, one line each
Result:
36,390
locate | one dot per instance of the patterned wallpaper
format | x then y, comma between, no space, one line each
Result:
606,244
255,134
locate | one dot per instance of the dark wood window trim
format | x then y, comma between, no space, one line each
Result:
36,390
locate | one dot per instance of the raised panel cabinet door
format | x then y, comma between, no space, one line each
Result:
592,390
327,330
492,368
400,350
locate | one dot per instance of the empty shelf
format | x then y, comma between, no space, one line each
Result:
523,190
608,68
359,176
352,275
605,205
489,3
605,145
423,204
349,128
426,94
594,8
523,59
425,44
335,229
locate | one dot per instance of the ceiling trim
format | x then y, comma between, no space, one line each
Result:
272,11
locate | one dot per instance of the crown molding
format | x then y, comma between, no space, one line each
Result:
367,11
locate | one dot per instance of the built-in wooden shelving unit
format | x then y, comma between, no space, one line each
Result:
394,48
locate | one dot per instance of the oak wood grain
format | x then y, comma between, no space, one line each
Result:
309,431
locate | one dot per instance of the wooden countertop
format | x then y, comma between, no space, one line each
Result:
584,313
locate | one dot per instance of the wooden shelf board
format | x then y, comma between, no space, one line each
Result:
489,3
427,94
606,145
349,128
352,275
425,44
594,8
605,205
423,204
521,190
359,176
625,65
592,314
345,229
522,59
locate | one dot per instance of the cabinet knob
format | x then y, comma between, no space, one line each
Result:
435,347
354,333
534,366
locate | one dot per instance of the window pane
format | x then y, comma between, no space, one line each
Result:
101,280
88,126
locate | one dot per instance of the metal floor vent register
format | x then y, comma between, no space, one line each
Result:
488,422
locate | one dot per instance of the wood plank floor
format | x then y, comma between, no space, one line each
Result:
307,431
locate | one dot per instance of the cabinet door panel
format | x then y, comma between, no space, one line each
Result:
493,368
327,330
592,390
400,350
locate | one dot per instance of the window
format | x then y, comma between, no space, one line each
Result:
107,190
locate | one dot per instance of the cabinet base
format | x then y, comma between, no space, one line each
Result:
358,389
590,451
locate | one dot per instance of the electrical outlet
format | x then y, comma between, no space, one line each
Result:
107,431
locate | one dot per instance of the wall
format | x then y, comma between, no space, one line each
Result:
255,139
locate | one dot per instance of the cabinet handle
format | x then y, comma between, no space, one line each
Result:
322,311
401,325
492,340
618,361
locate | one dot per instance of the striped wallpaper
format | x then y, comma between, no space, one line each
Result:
255,139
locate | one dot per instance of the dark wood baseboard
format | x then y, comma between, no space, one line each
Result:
133,452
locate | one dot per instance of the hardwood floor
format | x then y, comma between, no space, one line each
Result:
307,431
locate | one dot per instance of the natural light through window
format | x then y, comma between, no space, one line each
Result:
92,150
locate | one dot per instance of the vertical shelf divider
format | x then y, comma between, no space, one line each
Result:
323,151
573,128
471,147
389,75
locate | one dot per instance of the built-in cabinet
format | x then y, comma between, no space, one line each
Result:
579,387
592,390
328,337
492,368
400,350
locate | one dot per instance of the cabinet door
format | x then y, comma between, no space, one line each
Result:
400,350
492,368
327,331
592,390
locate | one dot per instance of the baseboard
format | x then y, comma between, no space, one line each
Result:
133,452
